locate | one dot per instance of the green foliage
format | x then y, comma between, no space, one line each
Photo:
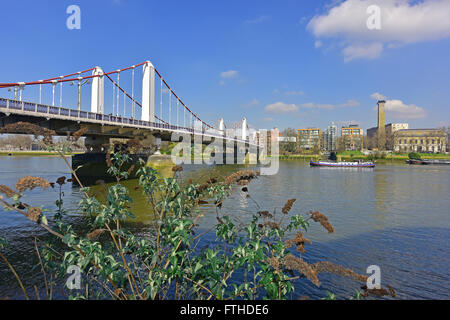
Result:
413,155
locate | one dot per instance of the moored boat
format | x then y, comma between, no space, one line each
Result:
428,161
354,164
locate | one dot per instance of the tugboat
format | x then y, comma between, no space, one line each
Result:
342,164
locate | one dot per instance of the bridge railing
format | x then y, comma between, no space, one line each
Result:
45,110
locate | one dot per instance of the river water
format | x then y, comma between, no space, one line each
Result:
394,216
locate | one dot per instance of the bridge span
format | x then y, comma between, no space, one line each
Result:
122,117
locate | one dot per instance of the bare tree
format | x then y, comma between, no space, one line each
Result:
16,141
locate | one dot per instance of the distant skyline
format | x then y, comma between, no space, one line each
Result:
278,63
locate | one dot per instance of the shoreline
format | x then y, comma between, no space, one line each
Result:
32,154
387,159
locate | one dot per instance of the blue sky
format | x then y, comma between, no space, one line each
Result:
278,63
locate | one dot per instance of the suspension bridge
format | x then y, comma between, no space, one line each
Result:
115,109
120,116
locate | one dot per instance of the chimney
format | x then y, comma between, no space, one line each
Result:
381,131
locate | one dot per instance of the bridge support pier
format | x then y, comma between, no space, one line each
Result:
97,144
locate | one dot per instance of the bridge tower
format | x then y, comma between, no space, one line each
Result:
148,92
221,125
244,129
98,91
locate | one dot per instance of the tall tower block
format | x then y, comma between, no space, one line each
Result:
381,131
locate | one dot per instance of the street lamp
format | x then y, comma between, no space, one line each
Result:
80,83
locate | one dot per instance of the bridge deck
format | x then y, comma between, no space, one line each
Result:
9,106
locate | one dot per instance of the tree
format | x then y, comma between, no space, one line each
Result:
289,146
17,141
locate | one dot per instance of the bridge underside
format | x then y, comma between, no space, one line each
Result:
99,137
67,127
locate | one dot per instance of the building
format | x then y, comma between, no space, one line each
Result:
420,140
392,127
381,132
330,138
352,137
389,129
309,138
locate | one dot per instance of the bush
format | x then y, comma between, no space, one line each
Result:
413,155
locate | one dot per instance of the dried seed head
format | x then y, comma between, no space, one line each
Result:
299,241
272,225
323,220
30,128
34,213
288,206
265,214
292,262
94,234
329,267
77,134
134,145
274,263
61,180
7,191
30,183
178,168
240,175
243,182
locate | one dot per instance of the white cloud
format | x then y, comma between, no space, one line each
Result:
367,51
252,103
329,106
229,74
281,107
396,109
377,96
399,110
311,105
268,119
402,22
350,103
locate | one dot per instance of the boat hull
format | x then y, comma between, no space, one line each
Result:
342,164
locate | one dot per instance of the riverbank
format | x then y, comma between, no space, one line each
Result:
32,153
350,157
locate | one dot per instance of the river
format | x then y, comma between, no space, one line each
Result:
394,216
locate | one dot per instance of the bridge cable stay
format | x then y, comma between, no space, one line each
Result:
177,114
113,96
127,95
161,95
132,95
170,107
118,96
60,94
181,102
